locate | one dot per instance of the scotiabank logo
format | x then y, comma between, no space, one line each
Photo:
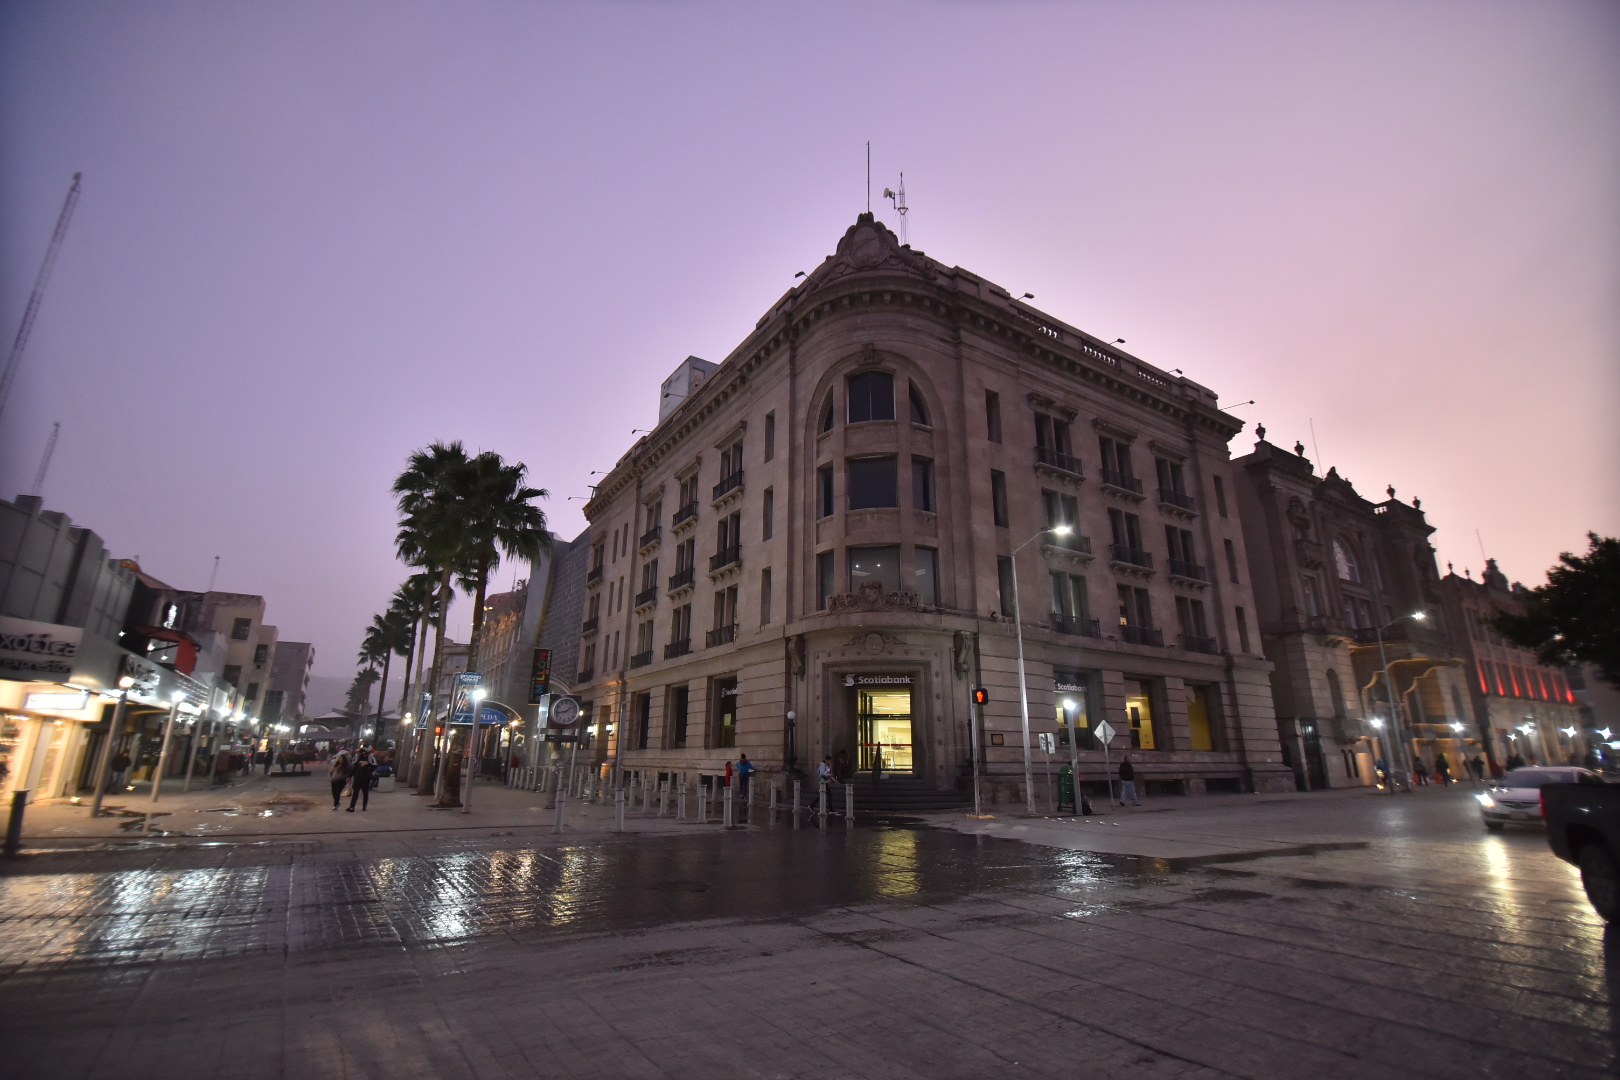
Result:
877,680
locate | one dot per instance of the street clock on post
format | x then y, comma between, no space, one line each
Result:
565,711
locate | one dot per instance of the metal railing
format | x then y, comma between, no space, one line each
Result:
728,483
724,635
594,576
1045,455
725,558
1177,498
1122,481
677,648
1193,643
1141,635
587,675
651,536
1068,624
641,659
1188,570
680,579
685,513
1072,542
590,626
1133,556
647,596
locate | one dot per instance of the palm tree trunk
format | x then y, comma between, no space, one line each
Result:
404,699
426,774
382,696
480,589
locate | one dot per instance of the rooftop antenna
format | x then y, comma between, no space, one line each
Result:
1314,448
898,198
34,298
868,176
215,575
1481,541
45,459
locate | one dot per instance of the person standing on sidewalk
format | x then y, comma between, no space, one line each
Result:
745,773
365,767
337,771
1127,782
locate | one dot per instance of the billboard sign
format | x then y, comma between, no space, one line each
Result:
540,676
461,705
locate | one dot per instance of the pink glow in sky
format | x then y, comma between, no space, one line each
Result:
315,236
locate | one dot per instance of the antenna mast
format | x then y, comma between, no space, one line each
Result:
898,198
38,294
45,461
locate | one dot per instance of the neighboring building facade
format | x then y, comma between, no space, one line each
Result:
290,669
1527,711
1329,570
818,553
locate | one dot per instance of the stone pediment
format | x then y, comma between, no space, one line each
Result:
867,246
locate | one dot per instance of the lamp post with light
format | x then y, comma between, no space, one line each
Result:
168,734
471,759
1396,736
1462,751
1023,682
104,758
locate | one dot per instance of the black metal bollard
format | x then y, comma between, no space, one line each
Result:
19,801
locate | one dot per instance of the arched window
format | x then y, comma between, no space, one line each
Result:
827,415
1345,561
919,411
1336,693
871,397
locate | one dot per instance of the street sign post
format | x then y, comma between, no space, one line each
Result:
1105,735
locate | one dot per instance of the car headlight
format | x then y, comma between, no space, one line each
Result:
1485,800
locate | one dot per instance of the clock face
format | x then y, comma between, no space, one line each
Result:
564,712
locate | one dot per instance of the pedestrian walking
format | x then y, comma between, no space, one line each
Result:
364,767
1420,772
1127,782
337,771
120,766
824,771
1442,769
745,773
1477,767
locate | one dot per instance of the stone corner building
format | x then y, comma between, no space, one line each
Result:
814,553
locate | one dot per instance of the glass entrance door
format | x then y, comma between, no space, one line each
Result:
884,718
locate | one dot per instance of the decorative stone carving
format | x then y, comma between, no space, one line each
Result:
873,643
873,597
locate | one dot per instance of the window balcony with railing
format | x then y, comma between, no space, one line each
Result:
1069,624
1141,635
723,635
684,514
1052,459
594,576
682,579
1178,499
641,659
677,648
722,559
1191,571
1192,643
728,484
590,626
1072,541
586,675
651,537
647,596
1131,556
1122,481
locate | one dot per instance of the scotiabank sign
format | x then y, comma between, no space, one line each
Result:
38,652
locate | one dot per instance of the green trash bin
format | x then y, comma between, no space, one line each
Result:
1066,788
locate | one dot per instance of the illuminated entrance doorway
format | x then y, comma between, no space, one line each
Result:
883,723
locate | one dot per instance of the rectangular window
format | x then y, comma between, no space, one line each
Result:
1004,578
824,579
1139,710
252,692
1190,616
765,597
261,653
1071,691
769,514
1202,722
1231,561
1313,606
992,415
880,565
644,640
927,576
1170,475
770,436
873,482
998,497
241,628
1220,496
871,397
922,484
824,491
675,718
640,720
233,674
1116,456
1243,630
723,708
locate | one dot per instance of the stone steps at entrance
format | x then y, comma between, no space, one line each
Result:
900,793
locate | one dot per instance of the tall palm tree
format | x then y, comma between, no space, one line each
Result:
500,519
359,697
389,633
411,604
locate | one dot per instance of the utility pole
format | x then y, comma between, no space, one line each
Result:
31,312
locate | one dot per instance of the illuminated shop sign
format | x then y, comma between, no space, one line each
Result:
877,680
32,651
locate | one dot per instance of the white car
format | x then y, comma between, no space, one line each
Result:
1516,798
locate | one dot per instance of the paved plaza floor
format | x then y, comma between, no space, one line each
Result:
1329,935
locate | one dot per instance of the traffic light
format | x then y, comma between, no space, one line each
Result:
980,695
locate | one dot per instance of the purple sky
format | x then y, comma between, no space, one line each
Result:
315,236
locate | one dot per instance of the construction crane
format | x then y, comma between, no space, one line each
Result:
45,459
38,294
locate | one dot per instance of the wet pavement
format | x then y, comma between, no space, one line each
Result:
1389,938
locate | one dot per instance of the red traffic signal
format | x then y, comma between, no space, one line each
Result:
980,695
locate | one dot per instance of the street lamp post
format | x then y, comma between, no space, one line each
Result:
1023,682
104,758
168,734
1396,735
470,762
